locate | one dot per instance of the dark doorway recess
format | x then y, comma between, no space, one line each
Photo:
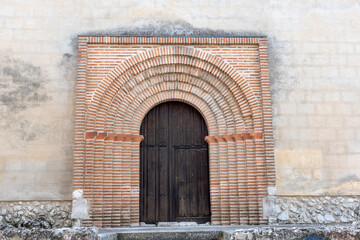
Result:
174,165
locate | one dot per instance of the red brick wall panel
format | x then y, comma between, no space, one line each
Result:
121,78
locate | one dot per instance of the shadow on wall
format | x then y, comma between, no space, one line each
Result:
282,75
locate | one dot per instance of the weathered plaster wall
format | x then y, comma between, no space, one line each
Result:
315,71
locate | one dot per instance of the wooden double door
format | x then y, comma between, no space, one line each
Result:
174,165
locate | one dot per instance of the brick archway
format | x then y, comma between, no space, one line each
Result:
162,61
112,114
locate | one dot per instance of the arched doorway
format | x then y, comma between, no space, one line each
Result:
174,165
111,106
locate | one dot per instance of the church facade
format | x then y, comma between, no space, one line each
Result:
165,111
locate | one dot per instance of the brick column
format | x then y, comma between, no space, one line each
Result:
88,177
232,180
261,177
117,181
108,178
135,179
126,181
214,180
242,179
267,112
224,181
97,202
251,178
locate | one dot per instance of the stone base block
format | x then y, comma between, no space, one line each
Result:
311,209
347,232
17,213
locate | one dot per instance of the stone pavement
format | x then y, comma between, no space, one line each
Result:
181,231
345,231
169,232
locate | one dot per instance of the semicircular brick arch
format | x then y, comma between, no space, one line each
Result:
134,116
104,105
178,56
225,120
218,93
114,113
214,88
222,120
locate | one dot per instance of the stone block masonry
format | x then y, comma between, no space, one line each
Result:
312,209
17,213
343,232
9,232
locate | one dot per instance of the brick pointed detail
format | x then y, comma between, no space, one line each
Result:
110,110
114,136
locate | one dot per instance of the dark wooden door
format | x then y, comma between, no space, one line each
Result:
174,165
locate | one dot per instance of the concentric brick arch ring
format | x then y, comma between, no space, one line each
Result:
230,109
113,83
222,97
194,89
137,114
220,120
163,83
226,122
103,109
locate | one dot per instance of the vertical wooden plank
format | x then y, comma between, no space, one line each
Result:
181,187
151,183
174,165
